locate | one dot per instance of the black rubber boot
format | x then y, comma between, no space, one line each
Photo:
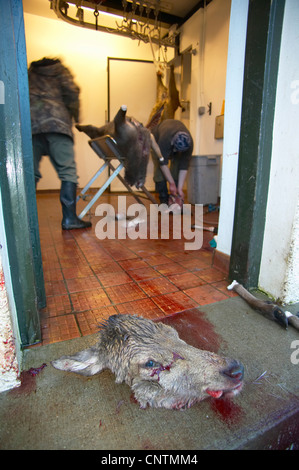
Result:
68,196
162,190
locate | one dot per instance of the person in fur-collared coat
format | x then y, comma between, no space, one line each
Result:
54,104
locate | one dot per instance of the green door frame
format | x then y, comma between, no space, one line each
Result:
17,176
264,28
265,18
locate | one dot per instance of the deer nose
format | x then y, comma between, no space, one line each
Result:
235,371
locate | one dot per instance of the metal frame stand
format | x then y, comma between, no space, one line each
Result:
106,148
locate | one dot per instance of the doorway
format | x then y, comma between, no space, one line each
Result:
125,86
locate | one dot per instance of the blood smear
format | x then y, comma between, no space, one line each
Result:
227,410
194,328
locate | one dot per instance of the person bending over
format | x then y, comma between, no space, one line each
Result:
171,141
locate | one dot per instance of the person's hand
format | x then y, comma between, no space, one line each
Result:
172,189
181,193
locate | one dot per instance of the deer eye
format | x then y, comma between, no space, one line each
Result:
150,364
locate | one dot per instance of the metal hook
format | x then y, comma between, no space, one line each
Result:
96,14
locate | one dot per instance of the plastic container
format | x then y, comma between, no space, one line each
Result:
203,179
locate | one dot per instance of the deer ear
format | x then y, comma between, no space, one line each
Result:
87,362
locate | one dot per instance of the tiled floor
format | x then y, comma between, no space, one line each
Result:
87,279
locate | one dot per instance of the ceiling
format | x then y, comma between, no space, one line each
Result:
172,11
157,21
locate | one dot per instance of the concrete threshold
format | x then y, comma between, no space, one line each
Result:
58,410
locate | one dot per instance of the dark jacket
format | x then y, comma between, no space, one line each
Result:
54,97
165,134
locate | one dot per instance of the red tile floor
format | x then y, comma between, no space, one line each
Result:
87,279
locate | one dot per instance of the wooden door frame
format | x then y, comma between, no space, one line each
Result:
264,29
17,176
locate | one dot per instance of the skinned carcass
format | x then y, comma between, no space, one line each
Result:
167,100
161,369
133,140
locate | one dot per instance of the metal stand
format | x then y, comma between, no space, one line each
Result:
106,148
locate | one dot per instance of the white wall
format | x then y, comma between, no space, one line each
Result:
280,256
10,353
290,288
279,274
85,52
207,33
9,368
232,121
